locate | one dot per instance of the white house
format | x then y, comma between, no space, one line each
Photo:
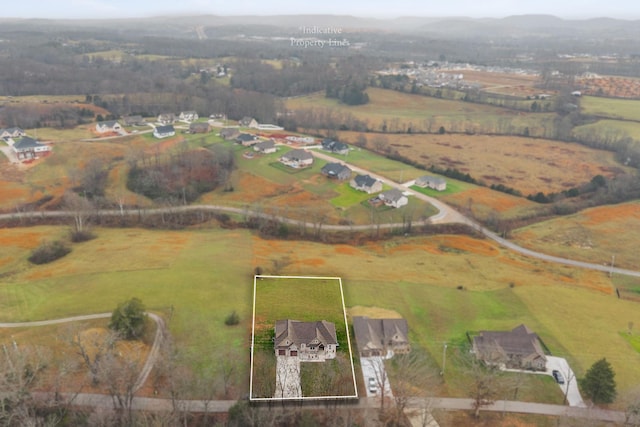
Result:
28,148
366,183
394,198
435,182
164,131
297,158
188,116
108,126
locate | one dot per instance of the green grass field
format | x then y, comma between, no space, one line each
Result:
196,278
392,169
608,130
623,109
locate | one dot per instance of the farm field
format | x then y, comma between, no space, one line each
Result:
593,235
613,86
533,164
400,111
190,277
623,109
504,83
608,131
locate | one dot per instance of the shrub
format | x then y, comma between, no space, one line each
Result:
232,319
78,236
48,252
128,319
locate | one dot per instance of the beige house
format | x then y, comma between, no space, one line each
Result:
381,337
366,183
519,348
309,341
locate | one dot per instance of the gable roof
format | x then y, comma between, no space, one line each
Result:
519,341
164,129
265,145
392,195
335,169
245,137
430,179
26,143
364,180
297,332
298,154
108,123
374,334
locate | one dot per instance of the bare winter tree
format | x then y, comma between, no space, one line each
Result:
119,374
81,209
92,348
486,382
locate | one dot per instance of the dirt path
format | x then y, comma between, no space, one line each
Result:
153,353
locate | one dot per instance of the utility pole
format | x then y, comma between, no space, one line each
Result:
444,358
613,258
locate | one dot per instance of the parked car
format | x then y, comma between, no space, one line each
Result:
373,386
558,376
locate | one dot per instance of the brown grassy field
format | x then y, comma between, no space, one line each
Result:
528,165
592,235
504,83
610,86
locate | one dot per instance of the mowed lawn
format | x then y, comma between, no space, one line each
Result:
298,298
196,278
624,109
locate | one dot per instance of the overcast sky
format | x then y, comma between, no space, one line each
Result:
570,9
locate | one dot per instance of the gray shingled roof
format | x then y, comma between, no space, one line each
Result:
392,195
26,143
373,333
364,180
298,332
520,340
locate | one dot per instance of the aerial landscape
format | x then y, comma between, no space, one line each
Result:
340,215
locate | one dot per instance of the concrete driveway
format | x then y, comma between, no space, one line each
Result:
373,367
570,380
288,377
8,151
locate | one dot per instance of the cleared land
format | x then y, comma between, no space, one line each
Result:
593,235
401,111
614,86
624,109
528,165
196,278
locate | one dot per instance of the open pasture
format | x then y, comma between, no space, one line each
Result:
399,112
612,108
527,165
196,278
593,235
608,131
520,85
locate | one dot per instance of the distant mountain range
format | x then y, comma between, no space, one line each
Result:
512,26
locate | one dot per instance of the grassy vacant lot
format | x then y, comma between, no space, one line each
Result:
608,130
592,235
400,111
623,109
196,278
528,165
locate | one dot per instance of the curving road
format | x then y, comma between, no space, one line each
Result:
152,357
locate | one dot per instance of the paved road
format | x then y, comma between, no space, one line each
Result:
152,357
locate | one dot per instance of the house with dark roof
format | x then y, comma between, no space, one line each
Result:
519,348
11,133
247,139
27,148
297,158
381,337
265,147
199,127
336,147
366,183
164,131
133,120
394,198
434,182
108,126
229,133
309,341
336,171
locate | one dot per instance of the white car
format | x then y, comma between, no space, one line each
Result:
373,386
